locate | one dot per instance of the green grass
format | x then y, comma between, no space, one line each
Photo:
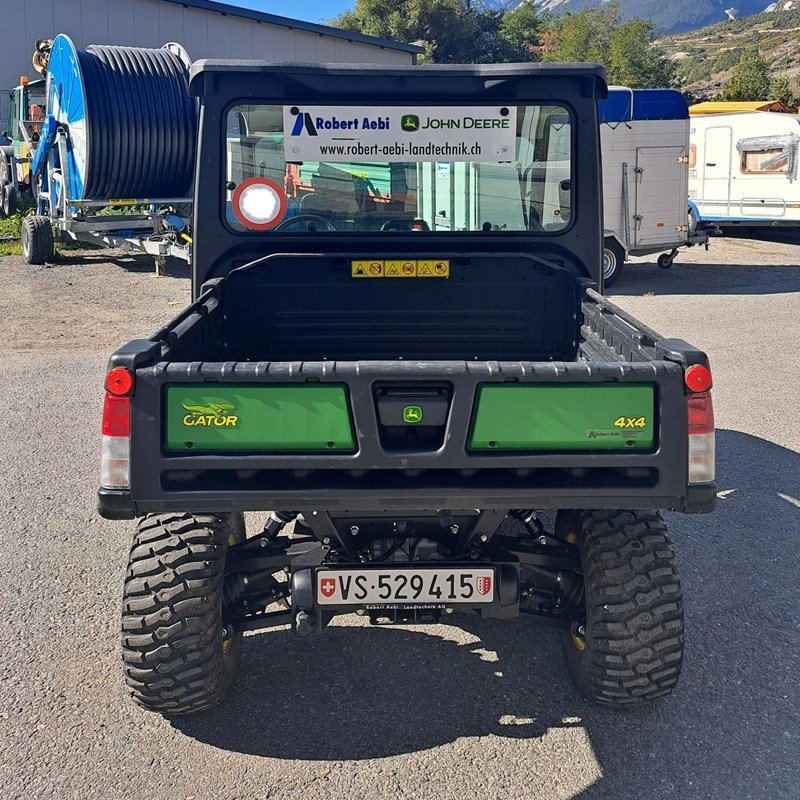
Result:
9,228
9,235
10,249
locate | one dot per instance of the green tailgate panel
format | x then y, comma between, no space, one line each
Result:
282,417
543,416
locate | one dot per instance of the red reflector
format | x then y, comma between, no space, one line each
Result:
701,413
116,416
698,378
119,381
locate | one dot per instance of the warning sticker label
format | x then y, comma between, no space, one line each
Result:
367,269
401,268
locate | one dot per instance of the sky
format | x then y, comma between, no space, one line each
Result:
311,10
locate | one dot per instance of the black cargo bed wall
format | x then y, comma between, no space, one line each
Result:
201,336
309,307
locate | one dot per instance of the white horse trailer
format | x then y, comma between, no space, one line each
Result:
743,169
644,137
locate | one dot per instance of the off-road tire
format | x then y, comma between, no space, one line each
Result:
174,656
613,262
37,239
632,647
10,200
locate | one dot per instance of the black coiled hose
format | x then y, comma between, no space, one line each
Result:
141,123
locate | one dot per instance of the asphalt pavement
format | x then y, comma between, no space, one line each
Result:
478,709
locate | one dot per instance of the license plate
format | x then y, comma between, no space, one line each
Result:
404,586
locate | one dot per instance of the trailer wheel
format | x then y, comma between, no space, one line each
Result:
629,651
177,658
613,262
10,200
665,260
37,240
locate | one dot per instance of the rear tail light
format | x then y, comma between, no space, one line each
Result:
119,381
701,438
116,416
697,378
115,451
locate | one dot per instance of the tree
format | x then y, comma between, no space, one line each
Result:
750,78
520,31
625,49
633,59
780,89
580,37
451,31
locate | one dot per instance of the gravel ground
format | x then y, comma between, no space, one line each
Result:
479,710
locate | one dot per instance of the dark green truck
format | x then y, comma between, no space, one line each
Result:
413,368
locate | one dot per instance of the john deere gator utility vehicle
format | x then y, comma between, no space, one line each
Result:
399,346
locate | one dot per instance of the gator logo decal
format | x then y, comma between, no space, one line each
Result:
212,414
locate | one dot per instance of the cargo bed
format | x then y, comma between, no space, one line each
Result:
225,421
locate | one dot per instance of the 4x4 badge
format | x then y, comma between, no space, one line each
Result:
412,414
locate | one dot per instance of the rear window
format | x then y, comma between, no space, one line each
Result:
326,169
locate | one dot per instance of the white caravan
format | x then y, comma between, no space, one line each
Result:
743,169
644,137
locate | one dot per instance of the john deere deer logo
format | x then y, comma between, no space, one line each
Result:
211,414
410,122
412,414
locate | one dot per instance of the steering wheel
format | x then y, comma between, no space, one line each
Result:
306,218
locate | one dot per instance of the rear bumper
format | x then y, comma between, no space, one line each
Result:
115,504
373,477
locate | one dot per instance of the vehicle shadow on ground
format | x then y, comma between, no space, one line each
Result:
130,262
789,234
641,277
731,730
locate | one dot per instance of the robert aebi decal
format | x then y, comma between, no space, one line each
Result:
315,123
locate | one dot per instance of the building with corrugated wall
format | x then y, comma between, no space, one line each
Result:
207,29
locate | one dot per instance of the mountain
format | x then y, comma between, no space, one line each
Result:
668,17
706,57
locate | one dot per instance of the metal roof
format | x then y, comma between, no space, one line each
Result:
738,107
488,79
296,24
539,69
